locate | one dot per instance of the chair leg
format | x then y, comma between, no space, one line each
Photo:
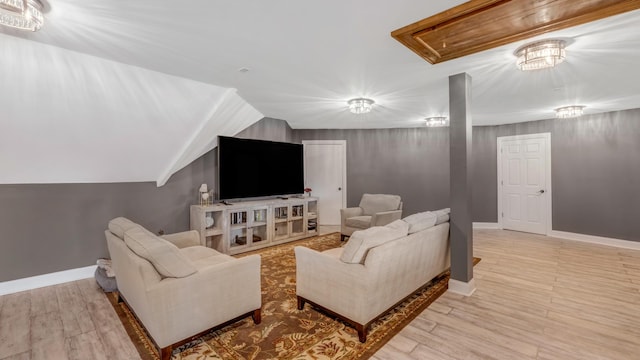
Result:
166,352
300,303
256,316
362,332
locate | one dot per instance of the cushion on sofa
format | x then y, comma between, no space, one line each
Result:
375,203
355,251
443,215
361,222
163,255
400,225
421,221
120,225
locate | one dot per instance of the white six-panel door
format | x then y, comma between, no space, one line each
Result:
325,173
524,185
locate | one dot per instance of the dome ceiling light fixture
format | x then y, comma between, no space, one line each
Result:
541,54
567,112
360,105
437,121
21,14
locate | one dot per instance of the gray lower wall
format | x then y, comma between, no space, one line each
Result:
46,228
410,162
595,169
53,227
595,172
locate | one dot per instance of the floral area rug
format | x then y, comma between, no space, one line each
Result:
285,332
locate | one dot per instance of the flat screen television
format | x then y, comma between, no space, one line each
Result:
258,168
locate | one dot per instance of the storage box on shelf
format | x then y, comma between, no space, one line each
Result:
251,225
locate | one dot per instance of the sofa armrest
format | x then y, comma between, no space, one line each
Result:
183,239
329,282
385,217
180,307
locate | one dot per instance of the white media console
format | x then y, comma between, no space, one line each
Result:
250,225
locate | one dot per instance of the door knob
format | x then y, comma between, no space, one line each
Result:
339,189
540,192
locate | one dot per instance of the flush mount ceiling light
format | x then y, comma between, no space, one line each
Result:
437,121
572,111
540,55
21,14
360,105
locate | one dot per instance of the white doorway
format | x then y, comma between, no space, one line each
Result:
524,183
325,172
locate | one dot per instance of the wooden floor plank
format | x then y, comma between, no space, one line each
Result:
47,337
15,324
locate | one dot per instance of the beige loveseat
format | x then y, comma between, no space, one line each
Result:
373,210
375,270
177,288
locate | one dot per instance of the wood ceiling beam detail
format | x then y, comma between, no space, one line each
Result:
480,25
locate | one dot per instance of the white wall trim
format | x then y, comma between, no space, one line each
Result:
486,225
626,244
34,282
461,287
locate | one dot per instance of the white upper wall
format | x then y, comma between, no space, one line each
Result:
111,91
73,118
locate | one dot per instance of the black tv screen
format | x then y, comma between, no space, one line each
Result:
257,168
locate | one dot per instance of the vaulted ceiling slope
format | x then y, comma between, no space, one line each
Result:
120,90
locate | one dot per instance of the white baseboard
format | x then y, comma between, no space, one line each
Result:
626,244
34,282
486,225
461,287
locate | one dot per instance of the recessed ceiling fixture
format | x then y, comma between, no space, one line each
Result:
572,111
21,14
540,55
437,121
360,105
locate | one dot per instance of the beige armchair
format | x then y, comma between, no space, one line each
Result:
374,210
177,288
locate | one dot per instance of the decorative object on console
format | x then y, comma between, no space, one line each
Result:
21,14
208,220
308,190
205,196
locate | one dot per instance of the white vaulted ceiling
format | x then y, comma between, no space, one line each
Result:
115,90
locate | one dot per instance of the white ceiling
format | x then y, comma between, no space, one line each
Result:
103,73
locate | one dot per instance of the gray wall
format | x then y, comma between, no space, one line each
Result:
410,162
595,170
46,228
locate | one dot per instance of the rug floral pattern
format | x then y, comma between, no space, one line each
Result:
287,333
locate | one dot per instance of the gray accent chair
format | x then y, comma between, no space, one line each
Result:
374,210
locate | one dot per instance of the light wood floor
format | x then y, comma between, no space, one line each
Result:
537,298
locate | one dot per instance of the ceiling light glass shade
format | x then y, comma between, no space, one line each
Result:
569,111
360,105
21,14
437,121
541,55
